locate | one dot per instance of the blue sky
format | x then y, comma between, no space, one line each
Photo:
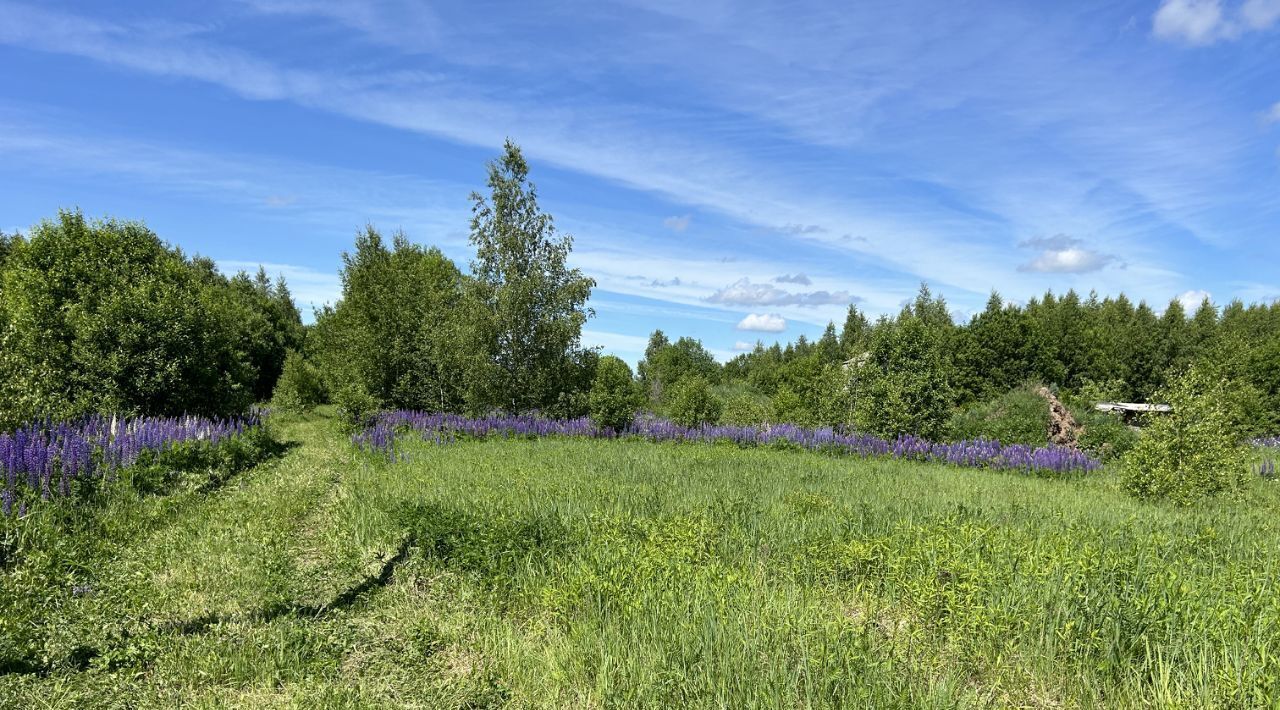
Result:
730,170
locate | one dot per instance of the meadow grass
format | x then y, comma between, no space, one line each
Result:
575,573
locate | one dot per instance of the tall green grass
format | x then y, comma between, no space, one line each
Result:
566,573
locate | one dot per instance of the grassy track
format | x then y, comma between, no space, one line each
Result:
564,573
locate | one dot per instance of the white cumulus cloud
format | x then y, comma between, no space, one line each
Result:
1194,21
1062,254
1207,21
763,322
1192,299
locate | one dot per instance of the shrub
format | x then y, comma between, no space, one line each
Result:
395,334
1019,416
356,407
615,395
692,403
787,406
1193,451
300,387
1104,435
744,406
104,316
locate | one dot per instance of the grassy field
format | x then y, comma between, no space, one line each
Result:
565,573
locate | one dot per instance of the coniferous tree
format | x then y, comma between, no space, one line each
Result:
854,333
828,347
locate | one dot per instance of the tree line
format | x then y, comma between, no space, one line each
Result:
909,373
104,316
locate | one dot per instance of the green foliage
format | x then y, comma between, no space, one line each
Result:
692,403
301,388
744,406
1105,435
787,406
1194,451
993,353
853,335
904,386
524,307
1020,416
740,577
615,395
394,335
574,400
102,316
269,325
355,407
666,364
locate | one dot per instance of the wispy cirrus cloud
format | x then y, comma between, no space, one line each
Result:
404,23
800,229
1130,153
745,293
798,278
618,145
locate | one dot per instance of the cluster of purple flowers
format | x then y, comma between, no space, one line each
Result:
44,459
1267,442
1266,469
380,436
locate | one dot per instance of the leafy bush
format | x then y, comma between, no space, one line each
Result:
1019,416
395,333
103,316
1104,435
743,406
615,395
301,387
787,406
356,407
692,403
1193,451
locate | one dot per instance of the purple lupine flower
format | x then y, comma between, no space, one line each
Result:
441,428
97,447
